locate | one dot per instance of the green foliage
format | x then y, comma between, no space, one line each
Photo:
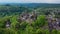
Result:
58,32
39,31
12,12
23,25
8,31
54,31
2,21
40,21
14,21
29,29
46,31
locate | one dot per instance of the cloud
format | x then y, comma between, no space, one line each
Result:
30,1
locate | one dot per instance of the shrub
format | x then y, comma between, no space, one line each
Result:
40,21
54,31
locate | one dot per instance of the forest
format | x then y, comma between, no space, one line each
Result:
30,19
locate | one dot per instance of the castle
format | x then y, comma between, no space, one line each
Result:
28,17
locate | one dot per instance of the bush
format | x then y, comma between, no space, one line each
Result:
7,31
23,25
46,31
58,32
54,31
40,21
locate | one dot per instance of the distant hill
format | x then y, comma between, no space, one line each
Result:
32,5
17,8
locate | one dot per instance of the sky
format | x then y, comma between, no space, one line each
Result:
29,1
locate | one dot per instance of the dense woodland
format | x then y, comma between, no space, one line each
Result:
27,20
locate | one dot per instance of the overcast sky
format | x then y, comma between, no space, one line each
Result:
29,1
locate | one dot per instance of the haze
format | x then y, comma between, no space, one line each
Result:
29,1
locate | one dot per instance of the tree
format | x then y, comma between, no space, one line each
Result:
40,21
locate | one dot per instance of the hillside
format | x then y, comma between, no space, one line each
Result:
29,18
